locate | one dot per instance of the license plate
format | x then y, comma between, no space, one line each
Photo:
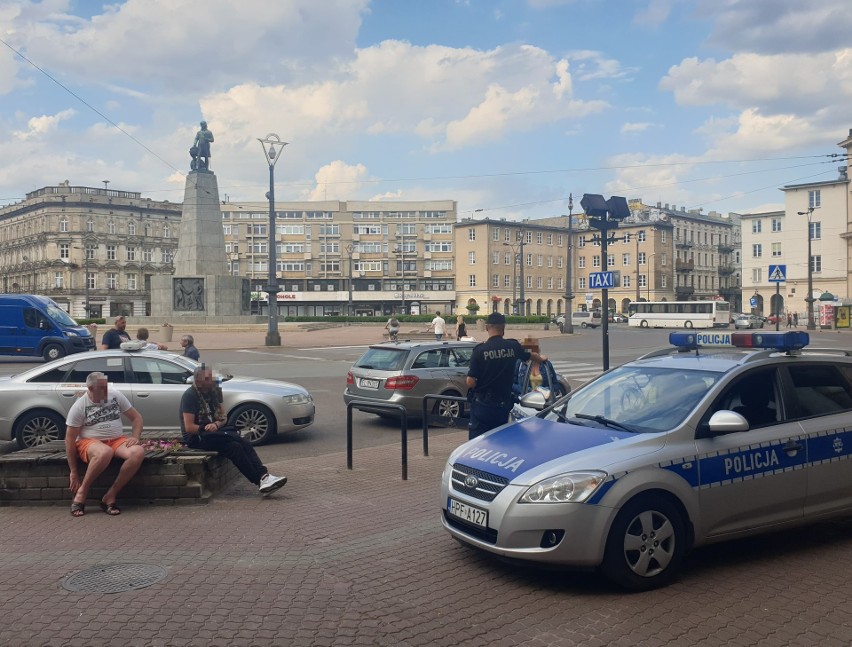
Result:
467,512
369,384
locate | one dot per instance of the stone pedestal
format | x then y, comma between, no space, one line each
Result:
200,285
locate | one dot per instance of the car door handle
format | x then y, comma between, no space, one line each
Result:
142,395
792,447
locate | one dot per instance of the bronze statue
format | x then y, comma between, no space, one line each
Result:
200,151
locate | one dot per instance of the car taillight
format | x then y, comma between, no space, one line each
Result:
349,378
401,382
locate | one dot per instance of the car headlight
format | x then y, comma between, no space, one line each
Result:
70,333
297,398
573,487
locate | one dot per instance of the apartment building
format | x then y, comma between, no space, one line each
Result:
336,258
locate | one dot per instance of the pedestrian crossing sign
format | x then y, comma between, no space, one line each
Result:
777,273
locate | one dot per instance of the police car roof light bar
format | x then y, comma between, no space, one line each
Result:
782,341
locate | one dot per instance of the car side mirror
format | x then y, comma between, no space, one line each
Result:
725,422
534,400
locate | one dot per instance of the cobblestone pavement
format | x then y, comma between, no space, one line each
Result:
358,557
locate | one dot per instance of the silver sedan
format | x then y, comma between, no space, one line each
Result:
34,404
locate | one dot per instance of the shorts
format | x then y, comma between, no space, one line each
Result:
113,443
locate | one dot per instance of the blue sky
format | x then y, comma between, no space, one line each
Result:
506,105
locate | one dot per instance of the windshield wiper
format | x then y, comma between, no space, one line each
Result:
604,421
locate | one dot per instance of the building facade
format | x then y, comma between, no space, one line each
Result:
92,250
347,258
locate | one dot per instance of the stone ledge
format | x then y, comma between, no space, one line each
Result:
39,476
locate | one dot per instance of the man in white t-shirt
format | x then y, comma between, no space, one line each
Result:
439,326
94,433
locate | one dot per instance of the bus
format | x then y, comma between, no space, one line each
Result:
679,314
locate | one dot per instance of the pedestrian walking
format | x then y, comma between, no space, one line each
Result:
392,326
789,320
439,326
795,320
491,374
461,328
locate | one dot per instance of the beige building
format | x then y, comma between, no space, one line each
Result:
333,257
86,246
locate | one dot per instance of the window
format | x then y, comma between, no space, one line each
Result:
559,261
495,280
58,280
131,253
64,250
495,234
539,237
610,260
529,260
112,280
581,283
539,282
111,227
776,224
559,240
816,266
816,230
581,242
663,259
147,254
63,225
507,258
596,261
625,280
756,226
581,262
776,249
540,260
814,199
90,226
643,280
642,258
154,371
471,257
91,280
167,231
756,275
471,280
625,259
131,228
495,258
111,252
642,236
471,234
131,282
820,390
663,236
663,281
757,250
550,239
507,281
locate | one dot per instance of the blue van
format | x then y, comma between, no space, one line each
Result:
36,325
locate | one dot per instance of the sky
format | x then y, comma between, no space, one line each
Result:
506,106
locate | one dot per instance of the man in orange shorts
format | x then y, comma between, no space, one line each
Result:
94,433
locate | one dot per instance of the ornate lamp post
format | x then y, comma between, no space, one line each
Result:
516,260
349,249
273,141
568,326
810,298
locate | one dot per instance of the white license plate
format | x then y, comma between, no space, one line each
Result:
467,512
369,384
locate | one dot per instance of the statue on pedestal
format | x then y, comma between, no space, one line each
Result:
200,151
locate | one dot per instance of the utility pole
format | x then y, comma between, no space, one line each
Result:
568,326
522,241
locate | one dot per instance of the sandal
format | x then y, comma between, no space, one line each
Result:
111,509
78,509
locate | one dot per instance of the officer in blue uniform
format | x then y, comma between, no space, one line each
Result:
490,376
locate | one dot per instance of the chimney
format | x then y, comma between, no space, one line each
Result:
843,173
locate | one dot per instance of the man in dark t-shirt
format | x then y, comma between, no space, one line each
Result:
490,375
114,337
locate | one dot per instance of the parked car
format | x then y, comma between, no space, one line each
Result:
583,319
617,317
665,453
35,403
403,372
748,321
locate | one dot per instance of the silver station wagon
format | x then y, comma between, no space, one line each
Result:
34,404
679,448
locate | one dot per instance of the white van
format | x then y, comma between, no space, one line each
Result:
582,319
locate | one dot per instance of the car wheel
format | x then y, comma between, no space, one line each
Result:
646,544
39,427
448,412
584,325
52,352
255,422
643,323
687,325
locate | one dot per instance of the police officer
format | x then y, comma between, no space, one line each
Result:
490,376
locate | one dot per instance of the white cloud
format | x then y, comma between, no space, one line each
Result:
38,127
590,65
636,127
654,14
337,181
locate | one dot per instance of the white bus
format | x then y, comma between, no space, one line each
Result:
680,314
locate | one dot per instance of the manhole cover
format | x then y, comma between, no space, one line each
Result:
114,578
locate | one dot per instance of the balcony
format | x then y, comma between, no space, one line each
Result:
726,270
683,292
725,248
729,292
684,266
683,243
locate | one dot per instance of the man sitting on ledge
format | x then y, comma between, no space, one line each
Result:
203,425
94,433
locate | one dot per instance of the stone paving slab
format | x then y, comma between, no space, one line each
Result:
358,557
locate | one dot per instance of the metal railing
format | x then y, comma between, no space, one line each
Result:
362,405
450,421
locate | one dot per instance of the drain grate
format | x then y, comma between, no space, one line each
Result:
114,578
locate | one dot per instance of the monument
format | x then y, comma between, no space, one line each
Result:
200,286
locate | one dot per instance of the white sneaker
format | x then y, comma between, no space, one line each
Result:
271,483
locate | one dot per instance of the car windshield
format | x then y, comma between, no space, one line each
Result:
636,398
384,359
60,316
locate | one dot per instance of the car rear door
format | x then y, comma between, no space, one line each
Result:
755,478
458,362
156,390
74,384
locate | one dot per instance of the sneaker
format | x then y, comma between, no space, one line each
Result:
271,483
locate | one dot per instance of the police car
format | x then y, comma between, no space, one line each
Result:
723,435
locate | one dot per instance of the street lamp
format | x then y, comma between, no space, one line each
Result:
810,298
517,259
273,338
639,234
568,326
399,248
349,249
